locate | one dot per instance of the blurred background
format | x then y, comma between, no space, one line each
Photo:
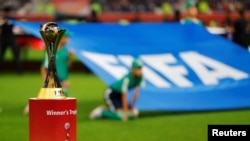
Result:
115,10
213,13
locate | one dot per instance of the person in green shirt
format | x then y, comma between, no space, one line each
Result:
63,62
115,96
191,14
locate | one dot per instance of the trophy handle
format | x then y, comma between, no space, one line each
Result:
59,37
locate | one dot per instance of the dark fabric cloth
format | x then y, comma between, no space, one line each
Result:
113,99
240,34
7,39
7,35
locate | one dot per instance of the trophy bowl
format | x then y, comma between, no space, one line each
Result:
51,30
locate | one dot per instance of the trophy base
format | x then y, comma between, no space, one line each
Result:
51,93
52,119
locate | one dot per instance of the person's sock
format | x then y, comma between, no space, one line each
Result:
66,91
131,115
114,115
111,115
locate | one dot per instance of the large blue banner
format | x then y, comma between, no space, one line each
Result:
186,68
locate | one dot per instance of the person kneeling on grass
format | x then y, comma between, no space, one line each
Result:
115,96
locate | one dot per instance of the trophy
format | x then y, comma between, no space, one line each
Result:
51,34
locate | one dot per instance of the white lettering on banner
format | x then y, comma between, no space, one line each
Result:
161,62
208,70
200,63
148,73
107,62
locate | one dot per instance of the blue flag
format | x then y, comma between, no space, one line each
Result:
186,68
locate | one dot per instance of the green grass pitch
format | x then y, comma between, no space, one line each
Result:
15,91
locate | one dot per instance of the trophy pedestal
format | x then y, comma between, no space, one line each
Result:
52,119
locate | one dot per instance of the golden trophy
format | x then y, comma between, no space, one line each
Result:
51,34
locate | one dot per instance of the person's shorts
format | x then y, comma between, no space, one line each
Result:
113,99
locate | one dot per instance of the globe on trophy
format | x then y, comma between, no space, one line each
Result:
51,34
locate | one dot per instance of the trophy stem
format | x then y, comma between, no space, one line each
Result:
51,83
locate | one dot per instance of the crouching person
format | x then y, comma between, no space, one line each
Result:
116,96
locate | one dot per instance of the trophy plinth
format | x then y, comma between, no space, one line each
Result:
52,89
